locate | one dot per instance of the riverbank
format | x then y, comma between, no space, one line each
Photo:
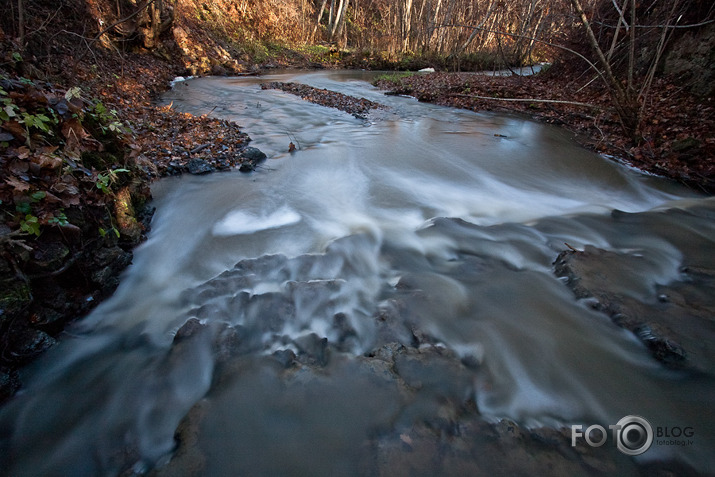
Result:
678,140
78,151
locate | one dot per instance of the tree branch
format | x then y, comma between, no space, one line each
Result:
529,100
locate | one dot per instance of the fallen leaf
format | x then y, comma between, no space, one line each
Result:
49,161
74,132
23,152
18,185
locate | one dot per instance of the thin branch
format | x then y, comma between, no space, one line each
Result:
87,42
691,25
612,81
21,23
9,238
125,19
529,100
46,22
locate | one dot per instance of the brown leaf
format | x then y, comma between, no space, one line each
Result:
49,161
74,132
48,149
18,185
51,198
69,193
23,152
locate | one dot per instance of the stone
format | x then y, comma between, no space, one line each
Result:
251,158
199,166
29,343
188,329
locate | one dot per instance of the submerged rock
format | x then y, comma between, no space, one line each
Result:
675,322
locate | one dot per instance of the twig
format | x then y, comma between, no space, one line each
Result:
292,137
45,23
529,100
515,35
84,38
69,263
572,249
9,239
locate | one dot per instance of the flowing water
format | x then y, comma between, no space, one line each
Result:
456,217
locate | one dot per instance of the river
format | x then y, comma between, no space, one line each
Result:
421,225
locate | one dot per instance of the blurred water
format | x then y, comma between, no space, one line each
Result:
469,210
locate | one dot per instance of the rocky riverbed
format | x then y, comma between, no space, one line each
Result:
415,396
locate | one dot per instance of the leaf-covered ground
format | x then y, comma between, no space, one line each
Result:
358,107
78,151
678,128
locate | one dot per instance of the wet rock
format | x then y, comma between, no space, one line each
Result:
285,357
268,312
231,341
392,326
107,263
678,330
15,295
188,459
48,257
188,329
435,370
313,350
129,227
9,383
28,344
252,157
345,331
664,349
199,166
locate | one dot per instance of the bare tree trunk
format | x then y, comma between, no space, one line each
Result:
320,16
477,29
331,19
406,24
21,23
621,21
632,48
341,20
336,20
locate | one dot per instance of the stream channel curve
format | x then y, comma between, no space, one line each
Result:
382,301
